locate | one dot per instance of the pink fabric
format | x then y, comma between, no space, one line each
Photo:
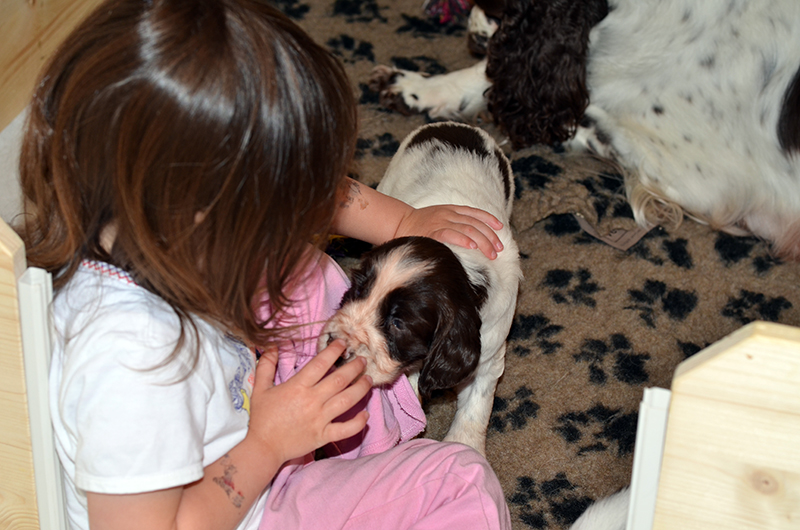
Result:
420,484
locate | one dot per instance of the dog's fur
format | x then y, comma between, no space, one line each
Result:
440,313
699,102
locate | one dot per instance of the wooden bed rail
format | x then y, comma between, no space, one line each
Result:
31,30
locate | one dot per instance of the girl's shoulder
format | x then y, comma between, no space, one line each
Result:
102,315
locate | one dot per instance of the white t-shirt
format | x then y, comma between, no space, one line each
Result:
122,426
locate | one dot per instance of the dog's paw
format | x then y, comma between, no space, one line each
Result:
389,83
480,28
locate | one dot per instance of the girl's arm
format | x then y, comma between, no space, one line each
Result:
286,421
371,216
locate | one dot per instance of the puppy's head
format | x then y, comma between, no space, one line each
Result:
411,307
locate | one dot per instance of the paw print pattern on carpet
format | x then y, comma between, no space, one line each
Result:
359,10
385,145
428,28
750,306
608,196
549,501
419,63
676,303
292,8
568,287
536,328
533,173
615,428
513,412
351,50
732,250
629,367
657,248
689,348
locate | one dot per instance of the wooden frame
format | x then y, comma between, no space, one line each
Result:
31,494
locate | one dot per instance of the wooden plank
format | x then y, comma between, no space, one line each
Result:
31,31
732,451
18,509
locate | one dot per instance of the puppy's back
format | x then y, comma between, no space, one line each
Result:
451,163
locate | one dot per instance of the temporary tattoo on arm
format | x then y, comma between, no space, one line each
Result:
226,481
353,194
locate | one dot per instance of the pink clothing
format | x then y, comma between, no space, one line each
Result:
372,481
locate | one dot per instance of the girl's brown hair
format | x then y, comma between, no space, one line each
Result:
211,135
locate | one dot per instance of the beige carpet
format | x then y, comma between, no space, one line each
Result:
595,325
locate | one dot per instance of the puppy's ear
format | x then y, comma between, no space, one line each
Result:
455,351
537,66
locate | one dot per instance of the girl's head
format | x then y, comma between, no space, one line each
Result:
209,135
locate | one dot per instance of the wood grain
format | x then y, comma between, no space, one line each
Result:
732,449
31,31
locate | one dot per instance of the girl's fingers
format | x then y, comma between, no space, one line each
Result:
342,377
341,430
313,372
482,216
343,400
266,367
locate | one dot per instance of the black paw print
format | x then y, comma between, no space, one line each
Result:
419,63
536,328
689,348
676,303
549,501
608,196
513,412
657,248
384,145
292,8
350,50
629,367
359,10
533,173
733,249
571,287
750,306
616,427
427,28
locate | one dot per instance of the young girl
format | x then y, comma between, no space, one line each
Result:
182,162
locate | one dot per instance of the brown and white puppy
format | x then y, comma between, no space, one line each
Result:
437,312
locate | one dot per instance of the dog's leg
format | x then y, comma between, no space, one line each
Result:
457,95
475,402
610,513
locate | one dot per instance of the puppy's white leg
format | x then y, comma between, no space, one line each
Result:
610,513
475,402
454,96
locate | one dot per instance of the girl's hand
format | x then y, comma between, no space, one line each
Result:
296,417
458,225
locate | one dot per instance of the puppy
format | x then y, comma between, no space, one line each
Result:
437,312
699,102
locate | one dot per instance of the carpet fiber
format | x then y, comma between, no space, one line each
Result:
595,325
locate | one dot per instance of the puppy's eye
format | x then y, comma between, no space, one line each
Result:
397,323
